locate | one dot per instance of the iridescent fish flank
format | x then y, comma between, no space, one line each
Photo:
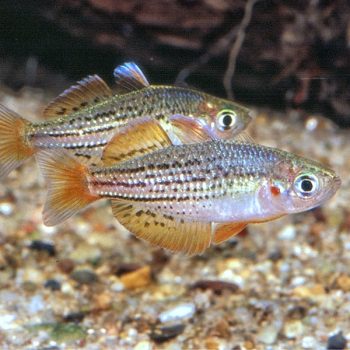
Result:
183,198
86,116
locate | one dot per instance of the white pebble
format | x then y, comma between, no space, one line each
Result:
308,343
6,209
35,304
288,233
6,322
182,311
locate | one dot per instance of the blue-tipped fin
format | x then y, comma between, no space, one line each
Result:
129,77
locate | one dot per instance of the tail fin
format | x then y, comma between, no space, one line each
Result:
68,191
14,148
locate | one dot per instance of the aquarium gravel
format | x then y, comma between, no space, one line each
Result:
88,284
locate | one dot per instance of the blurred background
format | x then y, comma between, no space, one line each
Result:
291,54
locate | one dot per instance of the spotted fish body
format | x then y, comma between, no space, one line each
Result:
214,181
186,197
85,133
85,117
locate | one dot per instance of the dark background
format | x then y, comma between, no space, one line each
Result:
295,54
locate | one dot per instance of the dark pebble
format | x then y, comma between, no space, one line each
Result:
275,255
163,333
52,284
297,312
336,342
216,286
126,268
41,246
84,276
74,317
66,265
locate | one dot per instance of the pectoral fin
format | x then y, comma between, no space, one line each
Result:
90,90
223,232
138,138
190,130
161,230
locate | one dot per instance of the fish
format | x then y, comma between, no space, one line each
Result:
87,115
184,198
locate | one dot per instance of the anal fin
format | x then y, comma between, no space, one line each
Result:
225,231
161,230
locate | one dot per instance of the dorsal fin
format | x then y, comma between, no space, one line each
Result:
85,92
129,77
138,138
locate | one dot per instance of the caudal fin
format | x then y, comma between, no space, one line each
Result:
14,148
68,191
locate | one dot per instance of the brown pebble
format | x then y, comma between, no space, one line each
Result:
137,279
343,281
215,285
66,265
212,343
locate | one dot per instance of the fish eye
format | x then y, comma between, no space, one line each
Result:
226,119
306,185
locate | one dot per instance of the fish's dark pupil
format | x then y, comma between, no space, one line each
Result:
307,185
227,120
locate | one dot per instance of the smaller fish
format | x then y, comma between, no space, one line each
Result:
183,198
86,116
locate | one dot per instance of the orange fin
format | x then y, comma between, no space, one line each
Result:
90,90
129,77
14,148
161,230
190,130
68,191
225,231
138,138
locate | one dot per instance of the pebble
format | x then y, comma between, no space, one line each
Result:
137,279
268,334
163,333
343,282
53,285
74,317
84,276
308,343
66,265
143,345
6,208
67,333
86,253
336,342
179,312
288,233
35,304
42,246
7,321
293,329
216,286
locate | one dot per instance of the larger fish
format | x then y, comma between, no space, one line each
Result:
183,198
87,115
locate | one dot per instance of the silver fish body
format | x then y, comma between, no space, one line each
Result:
214,181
